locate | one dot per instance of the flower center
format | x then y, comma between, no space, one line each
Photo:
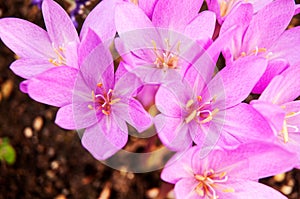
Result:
103,100
200,111
257,52
165,59
209,181
60,59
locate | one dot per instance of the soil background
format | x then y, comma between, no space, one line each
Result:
50,162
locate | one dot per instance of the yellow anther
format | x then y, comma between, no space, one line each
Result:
154,45
100,85
189,103
228,190
105,112
114,101
191,117
243,54
93,96
223,174
90,107
199,98
285,132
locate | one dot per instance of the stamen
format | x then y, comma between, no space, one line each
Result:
90,107
208,184
285,132
199,98
99,85
189,103
190,117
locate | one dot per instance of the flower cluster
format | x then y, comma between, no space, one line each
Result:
225,138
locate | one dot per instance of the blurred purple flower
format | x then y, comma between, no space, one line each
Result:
227,173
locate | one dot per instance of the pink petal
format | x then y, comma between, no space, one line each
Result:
135,114
113,132
236,81
173,132
179,166
250,189
284,88
101,20
285,46
244,123
274,68
64,117
147,6
26,39
273,113
129,17
175,14
202,26
259,4
185,188
88,43
59,25
170,99
98,145
127,85
53,87
98,68
28,68
266,26
253,155
241,16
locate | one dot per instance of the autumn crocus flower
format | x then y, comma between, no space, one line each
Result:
200,112
102,106
168,43
264,35
227,173
283,114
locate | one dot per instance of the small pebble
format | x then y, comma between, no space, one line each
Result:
286,189
152,193
60,196
54,165
130,176
7,88
171,194
279,177
38,123
50,174
51,152
28,132
105,194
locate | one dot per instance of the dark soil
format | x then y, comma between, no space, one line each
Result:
51,163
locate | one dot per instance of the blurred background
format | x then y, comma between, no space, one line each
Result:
42,160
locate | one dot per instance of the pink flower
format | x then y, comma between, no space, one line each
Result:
203,110
157,50
102,106
283,114
227,173
53,57
264,35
